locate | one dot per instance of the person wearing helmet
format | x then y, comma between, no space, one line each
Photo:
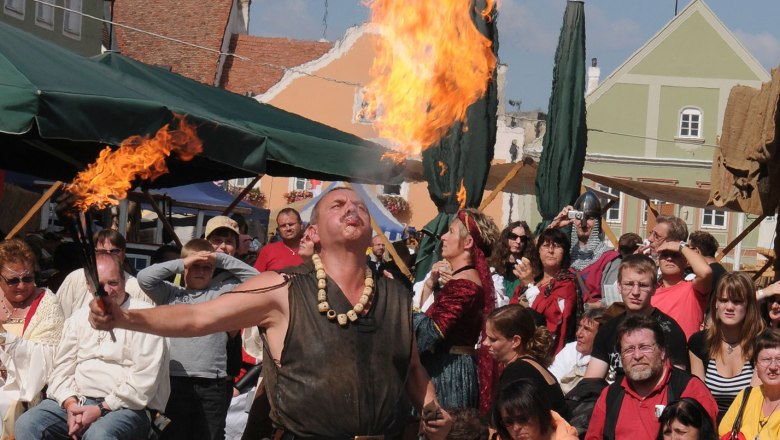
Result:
587,239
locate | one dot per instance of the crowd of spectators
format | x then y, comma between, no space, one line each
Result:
554,336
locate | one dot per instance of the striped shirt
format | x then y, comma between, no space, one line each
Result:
725,389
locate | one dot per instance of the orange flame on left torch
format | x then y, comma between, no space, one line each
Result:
108,180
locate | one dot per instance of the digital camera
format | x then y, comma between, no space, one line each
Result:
575,215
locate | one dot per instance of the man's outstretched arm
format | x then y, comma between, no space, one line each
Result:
247,306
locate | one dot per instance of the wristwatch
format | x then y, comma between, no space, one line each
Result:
683,244
103,410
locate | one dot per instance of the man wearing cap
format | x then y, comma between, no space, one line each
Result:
283,253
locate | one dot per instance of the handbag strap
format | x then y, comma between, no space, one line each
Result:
738,420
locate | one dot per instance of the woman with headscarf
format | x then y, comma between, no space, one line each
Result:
450,328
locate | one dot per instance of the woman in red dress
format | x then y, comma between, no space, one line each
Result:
554,293
449,330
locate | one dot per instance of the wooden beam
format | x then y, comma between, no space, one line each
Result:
608,232
35,208
501,185
740,237
161,217
758,274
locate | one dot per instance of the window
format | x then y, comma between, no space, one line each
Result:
366,109
242,182
713,219
14,8
301,184
71,24
44,13
391,189
657,205
690,123
613,214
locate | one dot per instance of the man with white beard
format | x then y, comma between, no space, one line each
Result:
630,408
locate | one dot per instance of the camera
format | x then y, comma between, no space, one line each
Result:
575,215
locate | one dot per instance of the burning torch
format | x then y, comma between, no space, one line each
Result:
107,181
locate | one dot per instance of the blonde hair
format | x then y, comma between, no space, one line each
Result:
196,245
16,251
488,231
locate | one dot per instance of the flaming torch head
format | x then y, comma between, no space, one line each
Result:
107,181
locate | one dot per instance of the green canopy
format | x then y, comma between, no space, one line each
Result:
466,155
58,109
559,175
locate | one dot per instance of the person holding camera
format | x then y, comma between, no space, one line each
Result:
587,239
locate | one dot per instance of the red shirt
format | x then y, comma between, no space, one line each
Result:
637,419
276,256
683,304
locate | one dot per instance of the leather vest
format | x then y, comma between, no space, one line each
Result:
339,382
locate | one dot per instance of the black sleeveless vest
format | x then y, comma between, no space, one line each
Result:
339,382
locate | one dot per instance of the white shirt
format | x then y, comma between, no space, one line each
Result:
129,373
569,363
73,293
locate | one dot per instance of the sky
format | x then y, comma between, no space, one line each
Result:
529,30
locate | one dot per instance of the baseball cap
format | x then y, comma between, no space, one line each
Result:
221,221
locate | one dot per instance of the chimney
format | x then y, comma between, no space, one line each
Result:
594,73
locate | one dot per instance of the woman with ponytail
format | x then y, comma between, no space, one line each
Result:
449,330
523,349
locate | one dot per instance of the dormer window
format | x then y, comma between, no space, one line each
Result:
690,123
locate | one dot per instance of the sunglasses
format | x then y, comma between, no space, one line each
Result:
14,281
112,251
512,237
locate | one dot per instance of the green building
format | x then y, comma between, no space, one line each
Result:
657,119
64,22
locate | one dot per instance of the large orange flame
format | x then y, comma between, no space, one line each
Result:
431,64
108,180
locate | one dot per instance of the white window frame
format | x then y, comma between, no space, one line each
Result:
686,123
242,182
361,105
656,202
15,8
615,211
299,184
44,13
71,21
713,214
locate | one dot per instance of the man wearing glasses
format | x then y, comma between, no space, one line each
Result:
630,408
637,279
74,294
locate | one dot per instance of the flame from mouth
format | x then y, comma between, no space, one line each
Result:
107,181
431,64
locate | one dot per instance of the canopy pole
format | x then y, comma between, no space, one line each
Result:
161,218
740,237
37,206
388,246
763,269
241,195
501,185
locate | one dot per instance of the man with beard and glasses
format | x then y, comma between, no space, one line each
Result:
637,280
630,408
